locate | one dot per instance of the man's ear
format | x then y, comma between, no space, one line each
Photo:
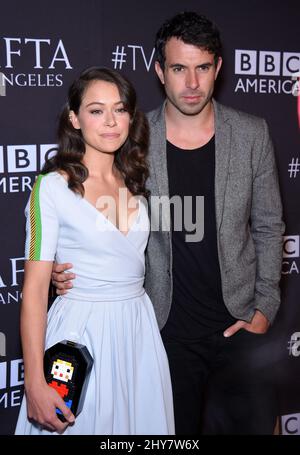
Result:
218,66
159,72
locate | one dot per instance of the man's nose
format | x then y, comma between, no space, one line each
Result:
192,80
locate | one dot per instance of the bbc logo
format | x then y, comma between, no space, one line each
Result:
2,344
291,246
290,424
266,63
25,158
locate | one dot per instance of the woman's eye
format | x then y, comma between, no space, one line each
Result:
96,111
121,110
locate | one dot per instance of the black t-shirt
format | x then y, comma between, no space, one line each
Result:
197,308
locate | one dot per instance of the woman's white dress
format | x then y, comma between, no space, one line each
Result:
107,310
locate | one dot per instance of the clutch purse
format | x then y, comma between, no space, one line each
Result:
67,367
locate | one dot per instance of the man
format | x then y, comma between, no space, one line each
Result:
215,298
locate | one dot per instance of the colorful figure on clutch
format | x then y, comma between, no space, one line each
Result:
62,372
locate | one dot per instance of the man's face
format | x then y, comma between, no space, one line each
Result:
189,76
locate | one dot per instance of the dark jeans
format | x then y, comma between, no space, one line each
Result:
223,385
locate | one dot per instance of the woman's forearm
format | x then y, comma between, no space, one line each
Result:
34,320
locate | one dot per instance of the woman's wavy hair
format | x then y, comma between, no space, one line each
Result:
130,158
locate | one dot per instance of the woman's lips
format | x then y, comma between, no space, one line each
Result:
110,135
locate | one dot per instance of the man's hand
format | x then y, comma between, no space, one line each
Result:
259,325
60,279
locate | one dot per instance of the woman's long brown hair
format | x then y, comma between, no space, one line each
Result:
130,159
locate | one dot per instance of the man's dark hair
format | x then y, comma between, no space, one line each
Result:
191,28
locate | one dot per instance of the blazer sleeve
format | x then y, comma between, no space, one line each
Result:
267,228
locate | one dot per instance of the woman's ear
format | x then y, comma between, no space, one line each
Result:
74,120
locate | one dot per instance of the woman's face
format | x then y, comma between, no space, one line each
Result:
102,118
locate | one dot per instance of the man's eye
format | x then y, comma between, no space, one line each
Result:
204,68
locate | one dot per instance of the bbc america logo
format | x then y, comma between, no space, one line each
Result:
266,63
25,158
290,254
22,160
269,71
290,424
11,383
11,376
2,344
291,246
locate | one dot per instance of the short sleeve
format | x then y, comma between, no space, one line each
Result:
41,222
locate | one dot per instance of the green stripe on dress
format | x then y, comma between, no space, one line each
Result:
35,222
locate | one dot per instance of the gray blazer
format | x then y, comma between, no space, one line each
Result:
248,216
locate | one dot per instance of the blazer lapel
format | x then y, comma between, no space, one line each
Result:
159,151
223,148
159,168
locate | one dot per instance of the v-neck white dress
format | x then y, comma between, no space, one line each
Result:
107,310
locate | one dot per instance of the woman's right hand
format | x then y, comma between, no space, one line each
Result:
60,279
42,401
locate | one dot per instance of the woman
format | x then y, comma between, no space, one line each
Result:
88,208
